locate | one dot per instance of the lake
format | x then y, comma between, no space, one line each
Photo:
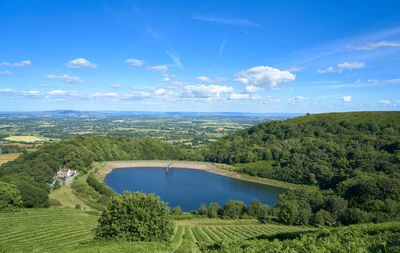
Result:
189,188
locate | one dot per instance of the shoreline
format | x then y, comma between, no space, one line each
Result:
107,167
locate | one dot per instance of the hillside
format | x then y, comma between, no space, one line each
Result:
320,149
353,158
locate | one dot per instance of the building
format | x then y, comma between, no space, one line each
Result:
64,173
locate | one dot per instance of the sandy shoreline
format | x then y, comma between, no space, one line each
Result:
109,166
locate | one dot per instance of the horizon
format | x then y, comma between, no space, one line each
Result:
200,56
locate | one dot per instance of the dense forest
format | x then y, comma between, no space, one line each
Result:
353,158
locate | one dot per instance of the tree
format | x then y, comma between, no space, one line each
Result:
135,217
203,209
10,197
288,213
177,211
234,209
212,210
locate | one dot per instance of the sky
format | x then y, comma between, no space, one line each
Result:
200,56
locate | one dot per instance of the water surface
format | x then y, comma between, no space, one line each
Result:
189,188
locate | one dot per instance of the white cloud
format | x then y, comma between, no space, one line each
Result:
376,45
115,85
17,64
174,56
264,77
251,89
158,68
105,94
80,63
222,46
167,77
204,79
57,92
2,91
384,102
346,98
297,99
343,66
65,78
384,81
134,62
229,21
351,65
294,69
237,96
203,91
31,93
5,73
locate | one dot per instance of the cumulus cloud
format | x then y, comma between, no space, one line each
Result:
346,98
376,45
203,91
115,85
80,63
343,66
17,64
158,68
6,91
264,77
251,89
5,73
229,21
238,96
134,62
65,78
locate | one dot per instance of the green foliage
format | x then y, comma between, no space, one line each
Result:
33,194
176,211
135,217
212,210
98,186
10,197
203,209
234,209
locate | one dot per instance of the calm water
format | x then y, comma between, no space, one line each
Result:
189,188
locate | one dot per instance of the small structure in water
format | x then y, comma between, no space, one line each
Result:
168,166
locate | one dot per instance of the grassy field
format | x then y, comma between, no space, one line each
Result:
65,229
45,230
27,139
8,157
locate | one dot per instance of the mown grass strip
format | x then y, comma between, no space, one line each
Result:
211,234
226,232
218,233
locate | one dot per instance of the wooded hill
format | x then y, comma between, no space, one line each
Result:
355,156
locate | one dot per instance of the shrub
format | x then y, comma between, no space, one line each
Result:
77,206
135,217
10,197
176,211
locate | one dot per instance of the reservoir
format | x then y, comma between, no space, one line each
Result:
189,188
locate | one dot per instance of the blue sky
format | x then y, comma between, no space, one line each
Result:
236,56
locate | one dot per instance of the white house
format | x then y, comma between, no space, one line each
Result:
64,172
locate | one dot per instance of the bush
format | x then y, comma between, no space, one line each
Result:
176,211
234,209
135,217
10,197
77,206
